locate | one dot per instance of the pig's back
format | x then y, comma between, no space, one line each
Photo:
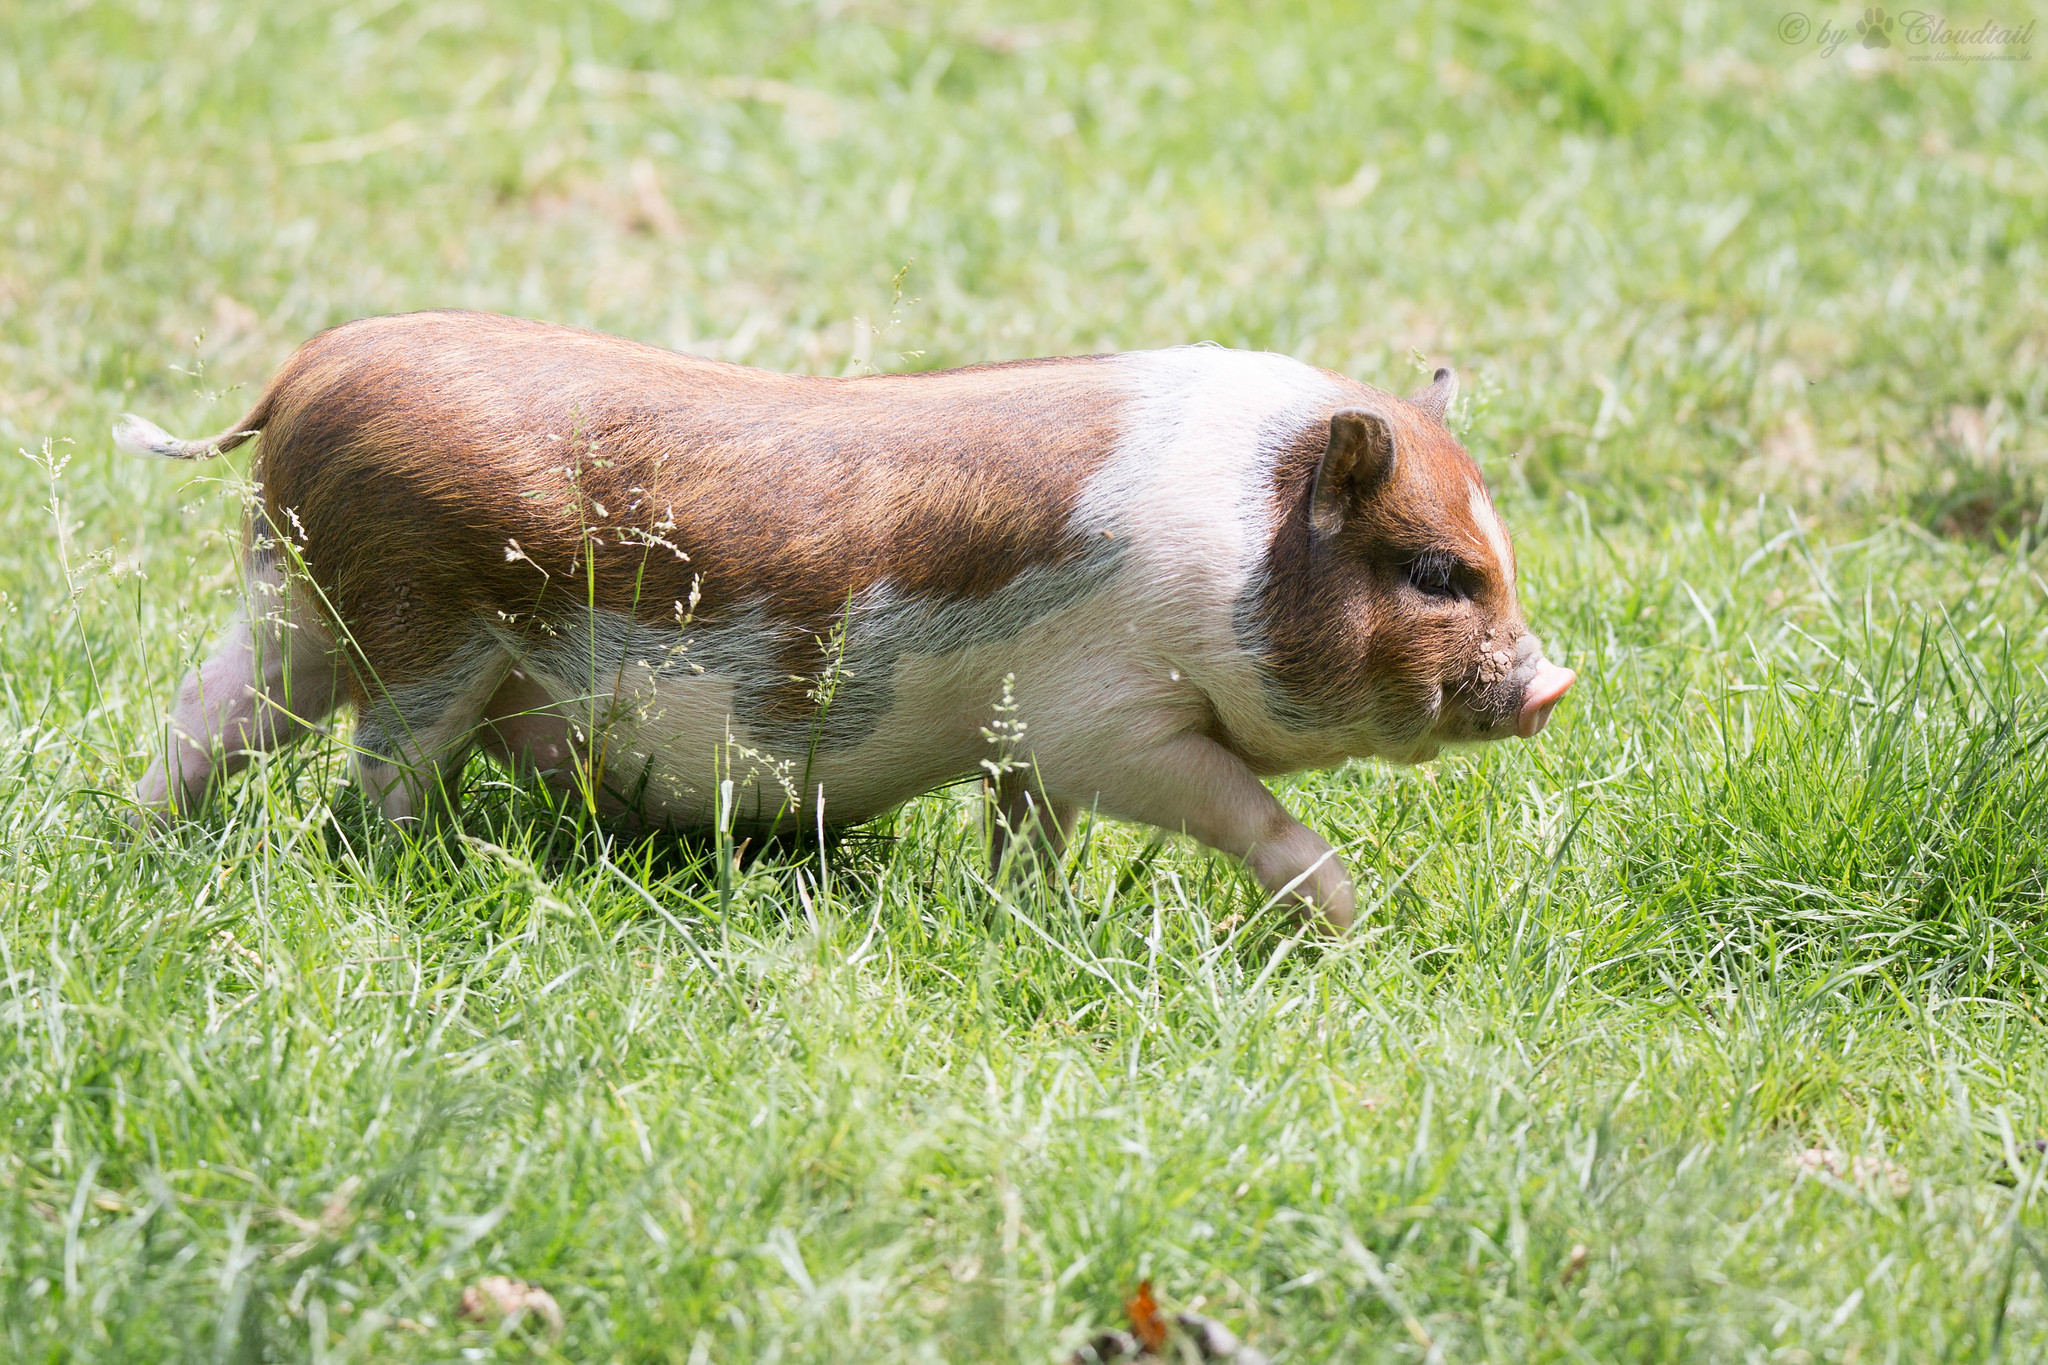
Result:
441,437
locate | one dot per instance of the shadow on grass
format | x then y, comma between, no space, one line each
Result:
1991,500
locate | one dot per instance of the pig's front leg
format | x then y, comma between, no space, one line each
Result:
1193,785
1024,812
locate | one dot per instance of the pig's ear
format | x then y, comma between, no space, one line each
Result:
1357,461
1436,400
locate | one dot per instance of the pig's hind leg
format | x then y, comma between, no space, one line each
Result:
1192,785
271,679
413,738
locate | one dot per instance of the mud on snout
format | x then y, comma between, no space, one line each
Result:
1510,691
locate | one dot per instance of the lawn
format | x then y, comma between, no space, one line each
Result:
1706,1027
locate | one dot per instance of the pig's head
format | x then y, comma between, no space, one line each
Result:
1387,616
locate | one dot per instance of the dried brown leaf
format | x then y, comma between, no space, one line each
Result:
1147,1323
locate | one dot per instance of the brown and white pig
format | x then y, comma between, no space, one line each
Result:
645,574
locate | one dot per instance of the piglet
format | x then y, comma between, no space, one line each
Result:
696,593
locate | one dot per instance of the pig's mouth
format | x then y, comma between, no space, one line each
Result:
1519,704
1515,698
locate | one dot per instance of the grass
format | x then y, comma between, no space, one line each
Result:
1757,361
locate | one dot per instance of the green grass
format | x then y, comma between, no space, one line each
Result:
1757,360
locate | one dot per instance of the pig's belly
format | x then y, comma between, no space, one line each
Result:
660,748
1089,683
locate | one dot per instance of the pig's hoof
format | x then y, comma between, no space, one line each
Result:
146,822
1332,919
1327,909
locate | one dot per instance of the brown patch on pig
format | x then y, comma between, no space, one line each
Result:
1344,637
422,466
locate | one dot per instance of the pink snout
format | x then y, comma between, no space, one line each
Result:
1550,683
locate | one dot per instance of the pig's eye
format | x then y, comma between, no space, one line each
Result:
1435,574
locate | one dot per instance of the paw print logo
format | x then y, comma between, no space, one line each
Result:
1876,27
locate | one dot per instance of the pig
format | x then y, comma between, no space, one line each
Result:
694,593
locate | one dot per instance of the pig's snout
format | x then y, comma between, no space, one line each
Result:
1547,685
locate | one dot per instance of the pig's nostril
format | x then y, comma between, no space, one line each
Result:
1549,684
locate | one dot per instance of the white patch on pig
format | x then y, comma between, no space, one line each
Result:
1190,483
1190,477
1490,526
1191,487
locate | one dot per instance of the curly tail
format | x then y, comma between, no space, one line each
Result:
136,436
